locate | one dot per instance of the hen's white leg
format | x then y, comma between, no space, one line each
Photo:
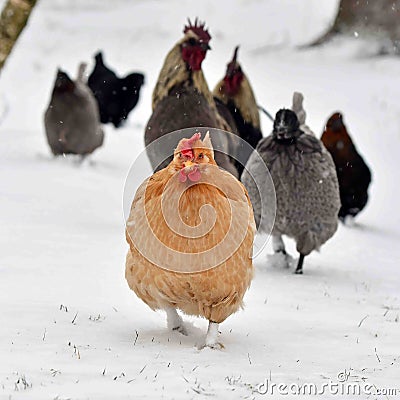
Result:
174,321
277,244
212,336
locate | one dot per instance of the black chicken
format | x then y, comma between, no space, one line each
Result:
116,97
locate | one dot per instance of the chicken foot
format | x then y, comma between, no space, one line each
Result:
278,245
174,321
299,268
212,336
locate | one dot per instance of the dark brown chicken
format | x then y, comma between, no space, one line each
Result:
182,99
235,99
353,174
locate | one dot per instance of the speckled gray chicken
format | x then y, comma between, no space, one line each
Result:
306,186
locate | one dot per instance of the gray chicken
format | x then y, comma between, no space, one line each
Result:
306,186
72,119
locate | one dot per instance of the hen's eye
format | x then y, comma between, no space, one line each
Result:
180,155
200,156
192,42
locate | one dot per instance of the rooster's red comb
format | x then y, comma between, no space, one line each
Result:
199,29
235,53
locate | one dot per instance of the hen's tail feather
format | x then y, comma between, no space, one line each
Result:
81,72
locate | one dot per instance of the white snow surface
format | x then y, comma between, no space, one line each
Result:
70,328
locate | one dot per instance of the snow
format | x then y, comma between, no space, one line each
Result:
71,328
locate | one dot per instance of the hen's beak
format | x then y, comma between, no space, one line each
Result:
188,163
281,132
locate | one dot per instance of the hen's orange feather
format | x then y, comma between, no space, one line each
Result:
203,272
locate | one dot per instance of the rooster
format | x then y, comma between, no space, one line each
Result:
353,174
116,97
72,120
182,99
182,256
235,98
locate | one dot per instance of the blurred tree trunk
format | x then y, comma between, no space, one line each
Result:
379,18
13,19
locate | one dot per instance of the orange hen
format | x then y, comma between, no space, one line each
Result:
190,233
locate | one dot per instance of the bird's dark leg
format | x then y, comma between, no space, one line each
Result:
299,268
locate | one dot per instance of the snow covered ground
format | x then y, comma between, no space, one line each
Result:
69,326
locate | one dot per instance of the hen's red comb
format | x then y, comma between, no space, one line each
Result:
199,29
196,136
188,143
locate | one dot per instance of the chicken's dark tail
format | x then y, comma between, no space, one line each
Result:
99,58
265,112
